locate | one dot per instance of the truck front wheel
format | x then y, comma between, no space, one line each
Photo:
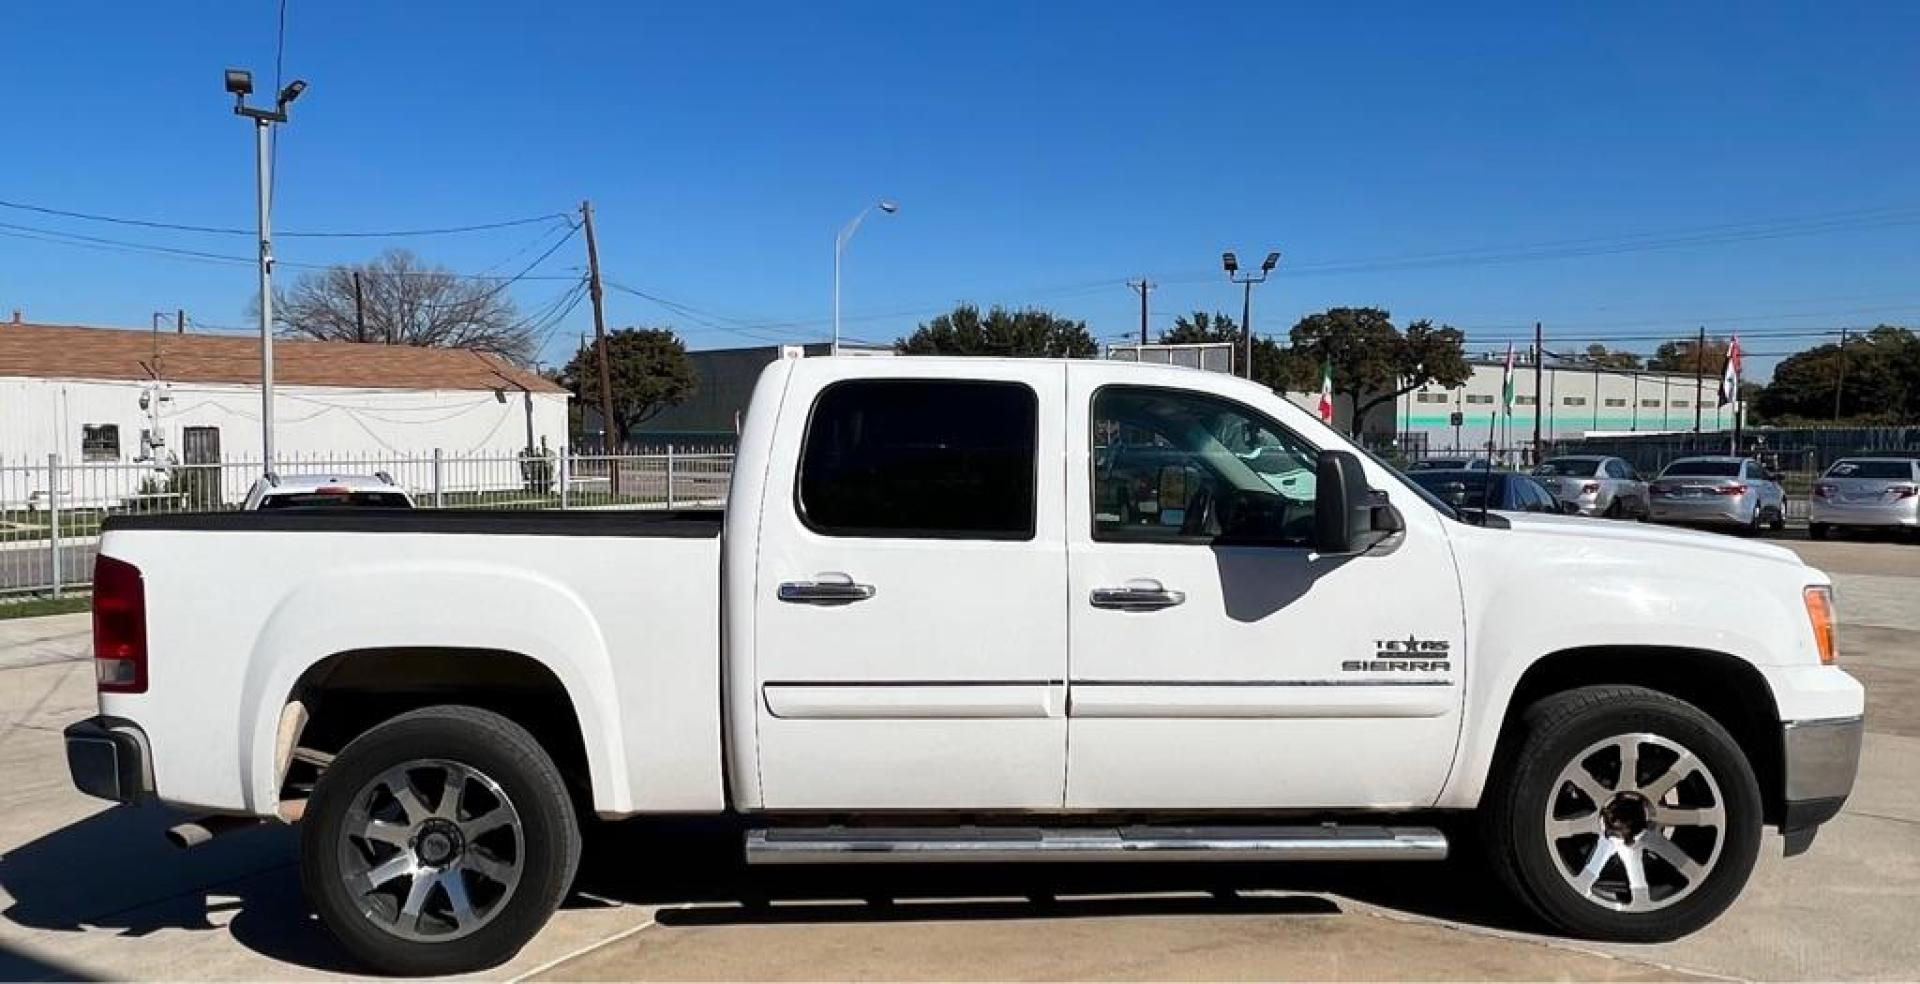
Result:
1623,814
438,842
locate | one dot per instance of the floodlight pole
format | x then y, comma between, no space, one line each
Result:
263,170
1232,266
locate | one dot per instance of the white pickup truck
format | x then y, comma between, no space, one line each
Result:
976,610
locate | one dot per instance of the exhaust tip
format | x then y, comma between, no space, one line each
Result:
196,832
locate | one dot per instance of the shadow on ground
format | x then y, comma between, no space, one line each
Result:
699,865
114,872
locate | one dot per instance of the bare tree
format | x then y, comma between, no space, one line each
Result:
406,302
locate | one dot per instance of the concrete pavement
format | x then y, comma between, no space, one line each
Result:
87,891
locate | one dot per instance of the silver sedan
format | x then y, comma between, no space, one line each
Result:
1595,485
1882,492
1721,490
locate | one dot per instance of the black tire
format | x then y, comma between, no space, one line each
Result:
499,750
1521,798
1779,522
1615,509
1817,531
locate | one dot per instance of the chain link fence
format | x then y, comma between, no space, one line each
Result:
51,509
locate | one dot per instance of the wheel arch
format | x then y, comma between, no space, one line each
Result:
1730,690
420,635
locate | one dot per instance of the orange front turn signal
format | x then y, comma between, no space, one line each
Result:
1819,600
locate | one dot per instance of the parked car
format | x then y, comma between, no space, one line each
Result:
1497,490
1867,492
1718,490
1449,464
920,632
1597,485
376,491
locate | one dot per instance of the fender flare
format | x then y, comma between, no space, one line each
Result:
442,606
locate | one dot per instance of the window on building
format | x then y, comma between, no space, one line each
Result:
1180,467
100,442
1479,398
921,458
1650,404
1573,401
1616,401
1430,397
1526,401
1681,404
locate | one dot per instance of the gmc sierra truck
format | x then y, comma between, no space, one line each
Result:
976,610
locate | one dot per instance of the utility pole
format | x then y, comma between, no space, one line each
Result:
180,321
1699,366
1142,287
600,340
360,313
1539,390
1840,382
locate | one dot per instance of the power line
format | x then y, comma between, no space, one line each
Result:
326,234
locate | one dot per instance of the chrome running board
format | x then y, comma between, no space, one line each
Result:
861,845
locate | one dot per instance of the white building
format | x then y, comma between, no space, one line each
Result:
158,399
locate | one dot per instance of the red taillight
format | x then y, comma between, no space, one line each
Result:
1823,491
119,627
1903,491
1735,489
1590,488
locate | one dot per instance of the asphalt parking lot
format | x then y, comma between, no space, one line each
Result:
92,892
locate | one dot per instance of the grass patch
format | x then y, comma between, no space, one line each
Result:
34,607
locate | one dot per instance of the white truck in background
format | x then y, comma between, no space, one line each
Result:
962,610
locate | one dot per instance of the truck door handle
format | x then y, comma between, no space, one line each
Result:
1137,596
825,589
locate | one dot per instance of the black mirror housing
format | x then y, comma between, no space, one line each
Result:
1348,515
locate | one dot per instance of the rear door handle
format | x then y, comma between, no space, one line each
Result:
825,589
1138,596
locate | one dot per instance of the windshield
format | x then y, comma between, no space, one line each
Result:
336,500
1708,469
1871,469
1571,467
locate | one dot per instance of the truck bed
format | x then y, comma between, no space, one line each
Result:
541,522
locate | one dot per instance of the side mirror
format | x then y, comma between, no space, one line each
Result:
1348,516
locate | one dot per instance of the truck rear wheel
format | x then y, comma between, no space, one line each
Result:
438,842
1624,814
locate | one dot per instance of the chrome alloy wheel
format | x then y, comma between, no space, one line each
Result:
1635,823
432,873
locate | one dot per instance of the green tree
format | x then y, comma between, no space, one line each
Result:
1678,356
1026,333
1374,362
649,370
1200,328
1879,384
1599,355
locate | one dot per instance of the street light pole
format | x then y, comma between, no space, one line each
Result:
886,205
240,84
1232,265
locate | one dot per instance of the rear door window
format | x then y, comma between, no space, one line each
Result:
948,459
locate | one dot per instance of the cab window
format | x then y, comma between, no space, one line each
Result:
921,458
1178,467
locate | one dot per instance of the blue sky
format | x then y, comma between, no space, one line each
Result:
1043,153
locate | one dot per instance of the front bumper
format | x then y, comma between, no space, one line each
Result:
1821,759
109,758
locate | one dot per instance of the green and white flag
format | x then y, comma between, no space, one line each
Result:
1506,382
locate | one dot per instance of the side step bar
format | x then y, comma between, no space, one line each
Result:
912,845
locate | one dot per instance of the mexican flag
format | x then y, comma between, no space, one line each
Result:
1326,391
1506,382
1730,376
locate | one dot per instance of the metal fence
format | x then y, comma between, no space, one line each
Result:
51,509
